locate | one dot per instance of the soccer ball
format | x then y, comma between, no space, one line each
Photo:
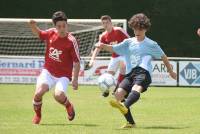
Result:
106,82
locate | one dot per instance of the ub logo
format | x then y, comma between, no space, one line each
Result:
55,54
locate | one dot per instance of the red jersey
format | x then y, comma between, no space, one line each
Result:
60,53
117,35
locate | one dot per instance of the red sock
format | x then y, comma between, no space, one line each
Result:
37,107
120,78
67,103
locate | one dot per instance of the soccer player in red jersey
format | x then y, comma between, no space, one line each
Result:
62,60
111,36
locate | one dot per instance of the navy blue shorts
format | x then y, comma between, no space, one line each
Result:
138,76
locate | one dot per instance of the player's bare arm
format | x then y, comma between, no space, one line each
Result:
169,67
95,53
35,29
75,75
106,47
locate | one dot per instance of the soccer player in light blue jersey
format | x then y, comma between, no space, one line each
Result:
138,52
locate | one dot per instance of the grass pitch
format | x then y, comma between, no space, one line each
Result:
161,110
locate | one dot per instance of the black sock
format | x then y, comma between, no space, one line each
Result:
129,117
132,98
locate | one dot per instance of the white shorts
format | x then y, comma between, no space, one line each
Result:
60,84
115,63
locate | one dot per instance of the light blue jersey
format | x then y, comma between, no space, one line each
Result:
138,54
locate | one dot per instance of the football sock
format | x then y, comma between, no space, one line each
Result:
129,117
132,98
66,102
37,107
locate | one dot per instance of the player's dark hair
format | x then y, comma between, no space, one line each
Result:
139,21
59,16
106,17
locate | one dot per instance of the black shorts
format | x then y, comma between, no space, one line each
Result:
138,76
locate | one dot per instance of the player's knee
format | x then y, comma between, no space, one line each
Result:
59,96
38,96
118,96
138,88
40,91
122,70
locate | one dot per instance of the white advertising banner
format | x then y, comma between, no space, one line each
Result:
19,70
91,75
189,73
160,76
26,70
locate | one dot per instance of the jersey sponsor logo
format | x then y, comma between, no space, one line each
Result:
113,43
55,54
135,59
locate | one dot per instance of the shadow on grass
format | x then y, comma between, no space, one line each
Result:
154,127
162,127
83,125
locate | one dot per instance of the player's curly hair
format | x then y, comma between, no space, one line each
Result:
139,21
59,16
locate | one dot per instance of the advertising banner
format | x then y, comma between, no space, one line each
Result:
160,76
189,73
26,70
